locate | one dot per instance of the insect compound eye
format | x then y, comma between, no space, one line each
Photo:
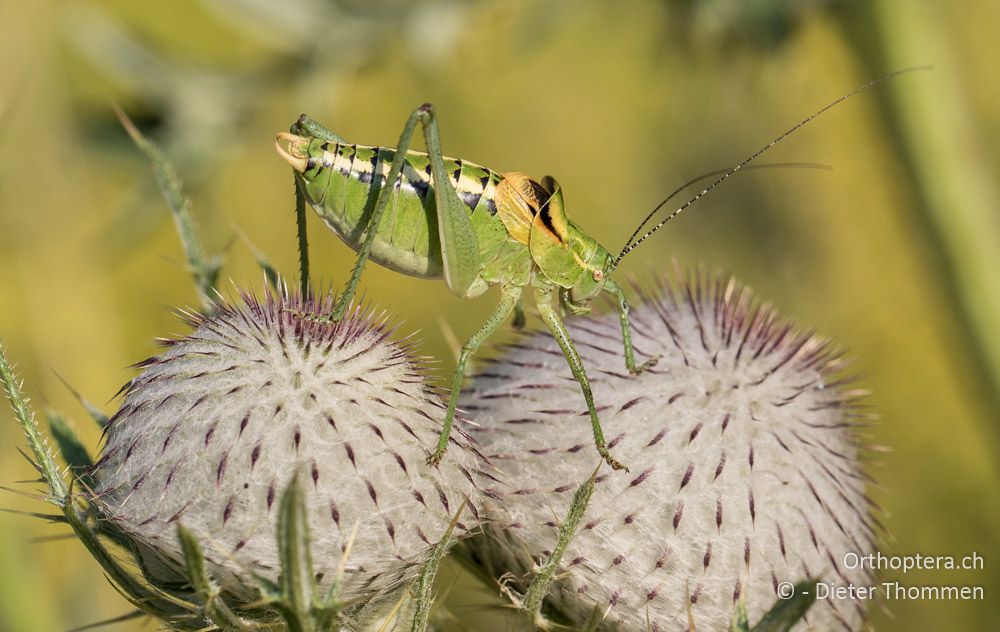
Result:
598,275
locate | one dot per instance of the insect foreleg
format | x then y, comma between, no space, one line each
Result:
307,126
509,297
630,364
551,317
385,194
302,238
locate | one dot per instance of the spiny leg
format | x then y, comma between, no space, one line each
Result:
509,297
386,190
544,298
623,308
307,126
303,239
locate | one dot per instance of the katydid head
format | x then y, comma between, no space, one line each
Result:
597,271
305,143
298,151
567,256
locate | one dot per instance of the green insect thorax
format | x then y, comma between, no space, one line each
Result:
565,254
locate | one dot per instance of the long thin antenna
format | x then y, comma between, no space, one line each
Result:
718,172
629,247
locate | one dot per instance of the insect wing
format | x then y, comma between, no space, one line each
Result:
517,202
552,242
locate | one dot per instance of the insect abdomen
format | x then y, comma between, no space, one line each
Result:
342,182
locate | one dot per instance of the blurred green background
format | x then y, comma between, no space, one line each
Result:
893,253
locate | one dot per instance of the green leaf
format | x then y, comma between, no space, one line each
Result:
787,612
423,586
58,491
740,621
296,562
215,608
270,272
204,270
539,586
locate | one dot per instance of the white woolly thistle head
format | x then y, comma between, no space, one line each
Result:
214,429
743,449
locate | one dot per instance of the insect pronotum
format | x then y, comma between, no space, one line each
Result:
475,227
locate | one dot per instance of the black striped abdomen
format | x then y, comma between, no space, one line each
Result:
342,182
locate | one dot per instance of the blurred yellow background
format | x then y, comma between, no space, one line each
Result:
891,253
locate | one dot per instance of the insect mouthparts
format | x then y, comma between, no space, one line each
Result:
294,154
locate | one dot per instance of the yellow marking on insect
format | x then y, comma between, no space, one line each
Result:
516,204
361,166
409,173
342,160
489,191
554,210
468,184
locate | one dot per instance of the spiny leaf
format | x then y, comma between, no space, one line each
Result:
740,621
203,269
424,584
58,492
215,608
296,561
539,586
270,272
787,612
